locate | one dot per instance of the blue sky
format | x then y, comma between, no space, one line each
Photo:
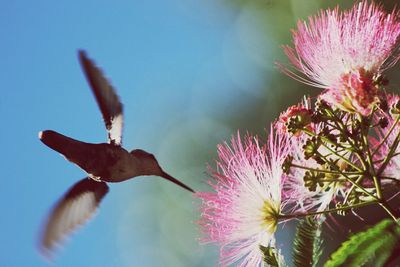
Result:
172,64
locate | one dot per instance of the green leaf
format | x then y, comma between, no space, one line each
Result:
270,256
307,243
376,243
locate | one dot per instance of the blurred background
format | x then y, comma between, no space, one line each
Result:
190,74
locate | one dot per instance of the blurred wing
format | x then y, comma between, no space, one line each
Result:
106,98
75,208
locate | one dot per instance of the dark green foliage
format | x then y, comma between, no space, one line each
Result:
270,256
307,243
312,180
374,245
311,147
287,164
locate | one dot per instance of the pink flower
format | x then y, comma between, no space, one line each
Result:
346,53
300,113
243,210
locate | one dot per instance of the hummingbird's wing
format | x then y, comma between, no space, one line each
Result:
75,208
106,98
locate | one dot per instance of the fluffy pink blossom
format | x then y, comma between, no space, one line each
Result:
301,112
345,53
251,193
241,213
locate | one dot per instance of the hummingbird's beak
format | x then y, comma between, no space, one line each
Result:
176,181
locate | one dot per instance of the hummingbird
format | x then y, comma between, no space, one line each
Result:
103,163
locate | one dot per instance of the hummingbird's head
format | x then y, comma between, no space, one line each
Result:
149,163
150,166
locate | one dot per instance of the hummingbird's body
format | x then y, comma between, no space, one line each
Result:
104,162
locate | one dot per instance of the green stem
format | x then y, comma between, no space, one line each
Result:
305,214
342,128
323,171
390,211
387,135
310,133
359,179
371,167
381,160
354,183
390,154
343,158
348,193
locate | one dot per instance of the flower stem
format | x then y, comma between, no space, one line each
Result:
387,135
390,211
323,171
311,133
342,157
306,214
390,154
354,183
371,167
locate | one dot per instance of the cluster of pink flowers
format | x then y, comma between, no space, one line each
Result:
250,193
312,157
346,53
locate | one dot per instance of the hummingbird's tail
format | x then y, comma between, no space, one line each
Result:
55,141
176,181
58,142
74,150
